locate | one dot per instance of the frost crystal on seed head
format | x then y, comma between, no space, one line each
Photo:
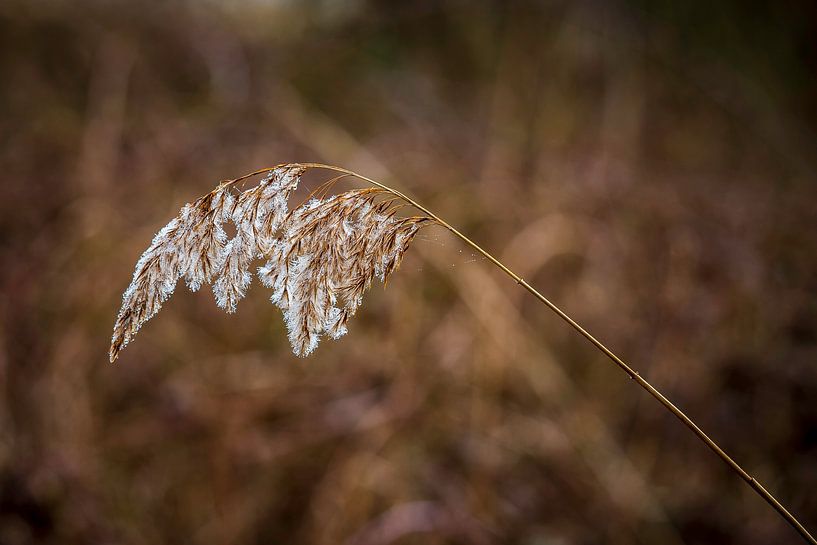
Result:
321,257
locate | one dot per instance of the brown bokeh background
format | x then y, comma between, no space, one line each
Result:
649,165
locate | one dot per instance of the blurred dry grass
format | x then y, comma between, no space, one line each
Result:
649,165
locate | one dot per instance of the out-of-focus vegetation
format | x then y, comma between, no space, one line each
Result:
648,165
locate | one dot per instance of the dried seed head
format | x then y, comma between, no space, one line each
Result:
321,257
327,257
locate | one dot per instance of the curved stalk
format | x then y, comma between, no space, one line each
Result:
633,374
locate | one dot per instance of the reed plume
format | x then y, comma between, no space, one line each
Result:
321,258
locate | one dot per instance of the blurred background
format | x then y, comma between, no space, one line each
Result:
649,165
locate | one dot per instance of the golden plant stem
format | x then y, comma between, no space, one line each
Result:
632,373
